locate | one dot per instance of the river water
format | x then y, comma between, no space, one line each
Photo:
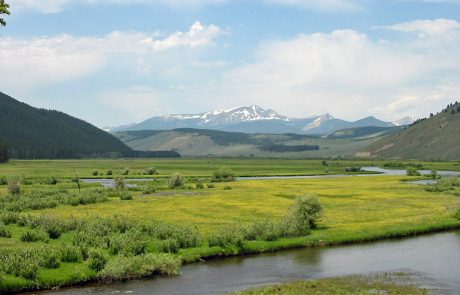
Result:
434,260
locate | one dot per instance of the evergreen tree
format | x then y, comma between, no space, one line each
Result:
4,9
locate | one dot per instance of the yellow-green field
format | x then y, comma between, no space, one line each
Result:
352,204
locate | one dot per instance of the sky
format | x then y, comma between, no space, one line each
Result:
114,62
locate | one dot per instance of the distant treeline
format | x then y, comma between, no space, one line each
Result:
281,148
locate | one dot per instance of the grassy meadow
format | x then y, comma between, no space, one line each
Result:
52,234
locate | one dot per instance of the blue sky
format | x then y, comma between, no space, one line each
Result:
113,63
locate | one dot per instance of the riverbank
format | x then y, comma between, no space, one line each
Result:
66,277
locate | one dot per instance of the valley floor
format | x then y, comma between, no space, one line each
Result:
357,209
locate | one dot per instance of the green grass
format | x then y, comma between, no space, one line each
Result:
193,167
358,285
357,209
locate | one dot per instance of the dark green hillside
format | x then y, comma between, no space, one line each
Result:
31,133
435,138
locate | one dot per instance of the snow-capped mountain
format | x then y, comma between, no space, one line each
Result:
404,121
251,119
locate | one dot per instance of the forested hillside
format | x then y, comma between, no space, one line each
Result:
31,133
434,138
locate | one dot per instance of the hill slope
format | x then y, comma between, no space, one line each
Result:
32,133
202,142
434,138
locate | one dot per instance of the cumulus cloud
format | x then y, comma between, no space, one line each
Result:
45,60
347,73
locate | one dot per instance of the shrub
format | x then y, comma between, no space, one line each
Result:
52,180
199,186
303,216
352,169
13,186
109,172
97,260
210,185
176,180
223,175
227,187
95,173
147,190
125,171
3,180
412,171
125,196
120,183
34,235
151,171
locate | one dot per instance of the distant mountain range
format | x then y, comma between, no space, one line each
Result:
255,119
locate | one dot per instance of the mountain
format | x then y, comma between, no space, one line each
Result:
435,138
32,133
203,142
404,121
251,119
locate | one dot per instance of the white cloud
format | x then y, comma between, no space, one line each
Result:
326,5
47,60
55,6
428,27
344,72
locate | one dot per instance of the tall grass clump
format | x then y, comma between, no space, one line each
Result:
4,232
13,186
34,235
123,268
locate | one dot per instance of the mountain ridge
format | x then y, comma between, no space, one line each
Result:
252,119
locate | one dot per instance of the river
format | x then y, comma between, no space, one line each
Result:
433,262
